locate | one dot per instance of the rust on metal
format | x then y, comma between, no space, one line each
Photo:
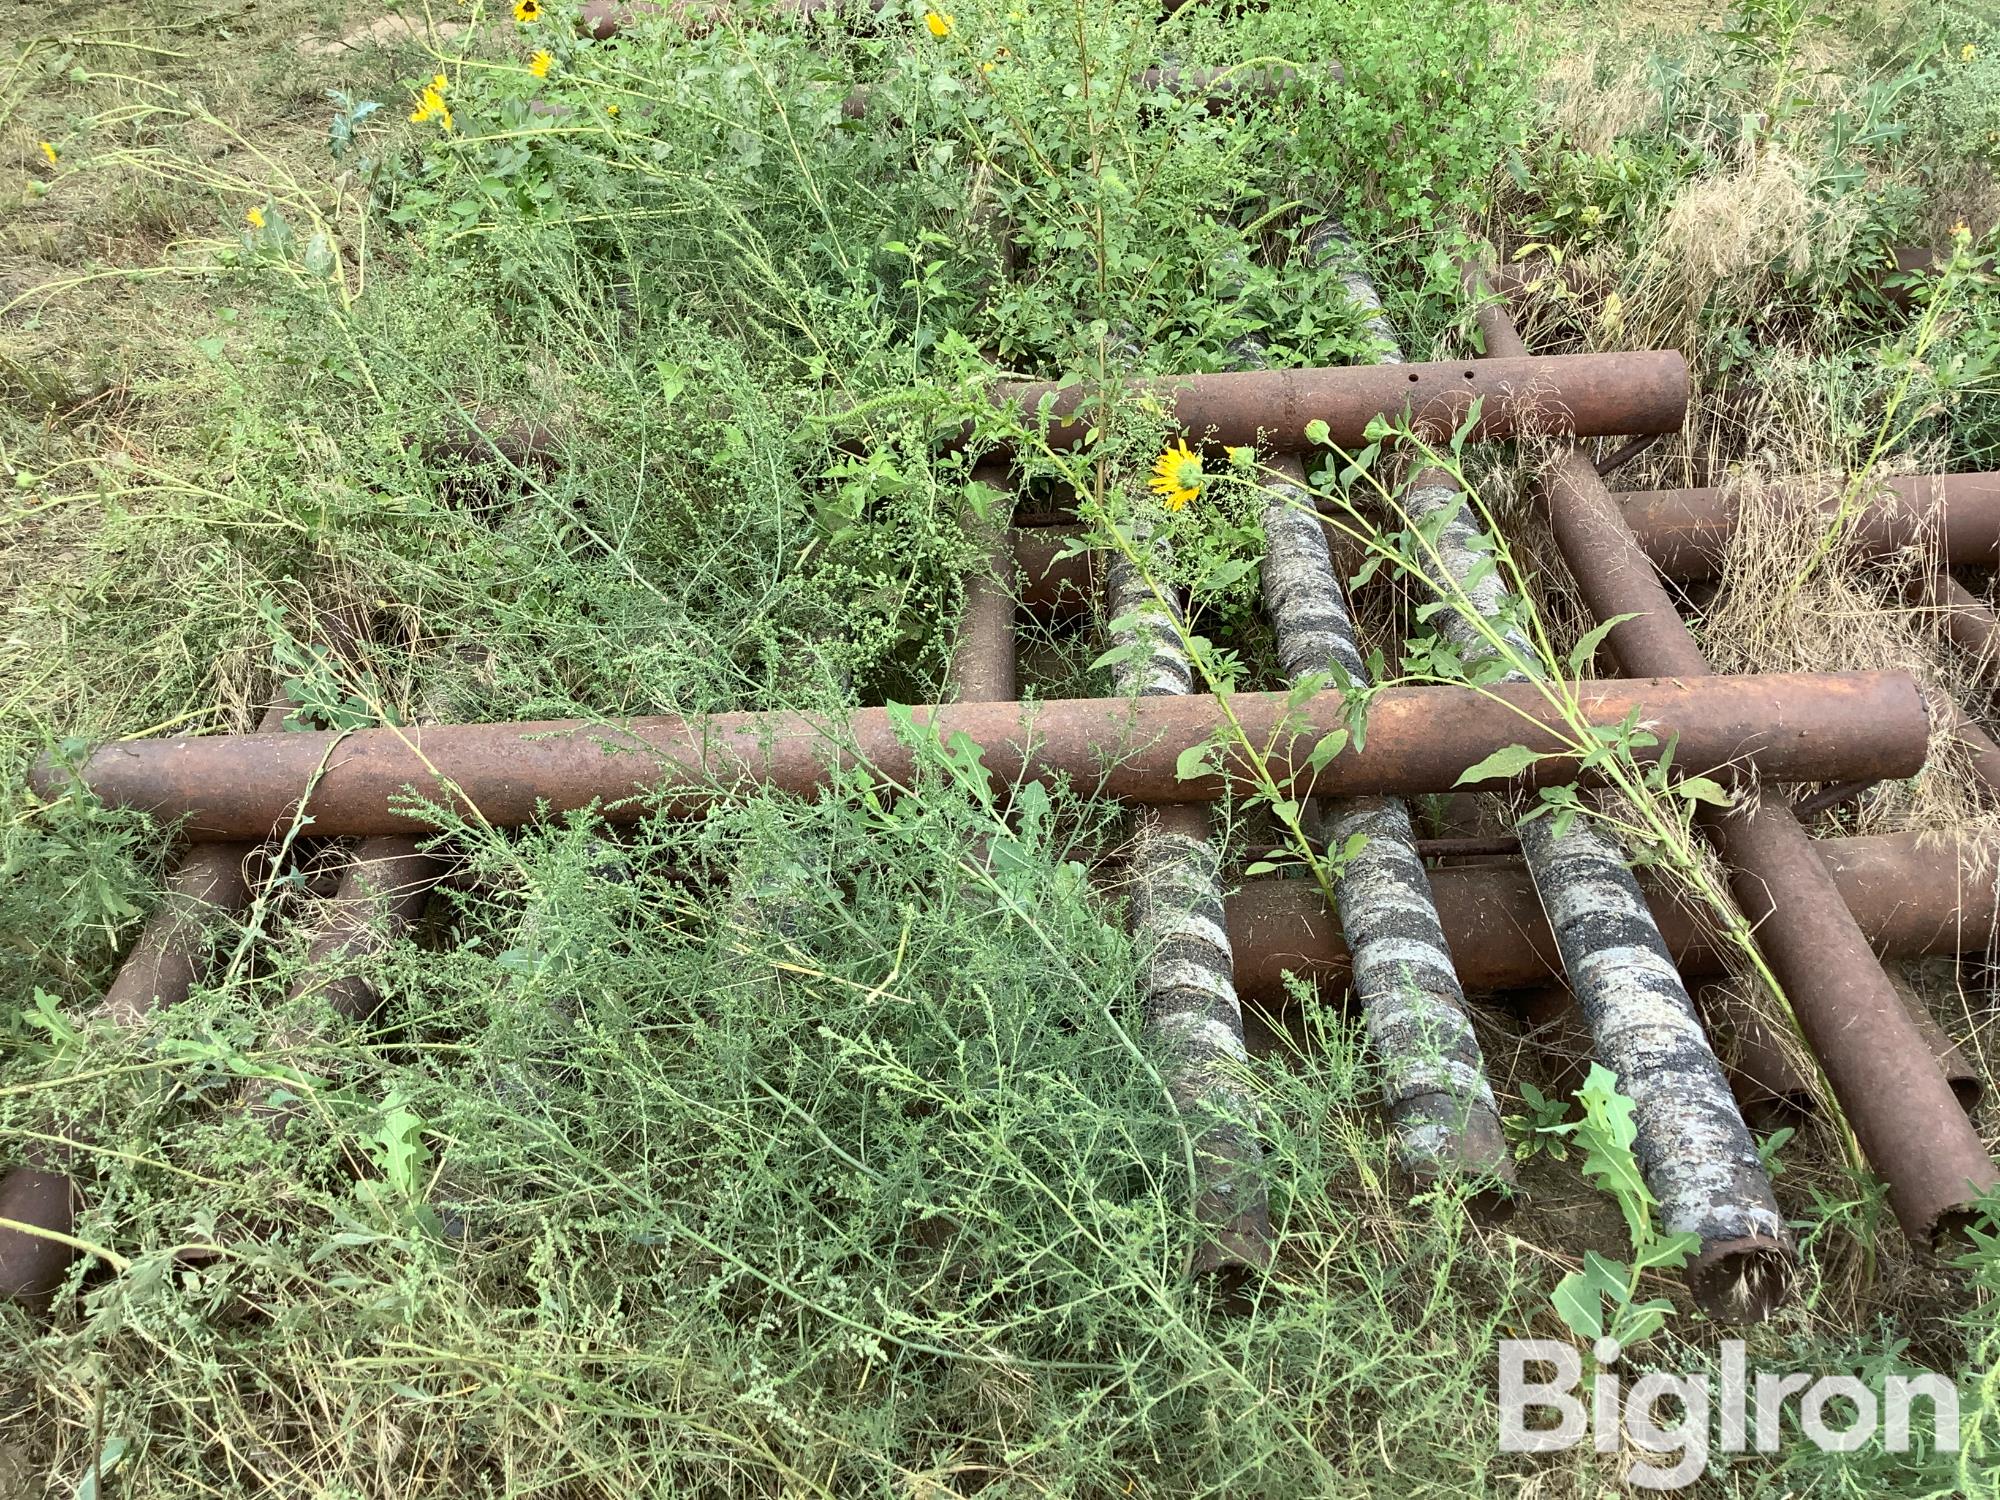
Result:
1582,395
1980,749
1954,518
1911,897
209,883
1785,727
1966,1084
382,892
1967,619
1056,581
982,663
1612,462
1886,1080
33,1265
1766,1068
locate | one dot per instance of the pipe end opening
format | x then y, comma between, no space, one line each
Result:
1742,1281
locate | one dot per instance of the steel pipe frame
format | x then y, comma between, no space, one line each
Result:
1578,395
1692,1146
1686,533
210,883
1800,727
1887,1082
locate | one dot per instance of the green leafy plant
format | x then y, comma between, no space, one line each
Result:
1540,1131
1601,1300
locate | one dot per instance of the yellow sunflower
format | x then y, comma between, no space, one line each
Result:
539,63
254,218
939,25
431,105
1176,475
527,12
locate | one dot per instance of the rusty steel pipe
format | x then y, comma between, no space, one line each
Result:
1966,1084
209,883
1910,898
1975,630
982,663
1498,337
1954,517
1799,727
1981,750
1886,1080
1967,619
1766,1077
1685,533
1767,1073
1055,582
1582,395
382,893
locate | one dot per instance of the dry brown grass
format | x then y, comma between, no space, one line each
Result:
1593,102
1724,244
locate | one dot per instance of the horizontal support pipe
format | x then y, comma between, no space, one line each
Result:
1797,727
1582,395
1687,533
1910,896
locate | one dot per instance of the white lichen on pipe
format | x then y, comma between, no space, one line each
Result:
1435,1090
1696,1153
1192,1016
